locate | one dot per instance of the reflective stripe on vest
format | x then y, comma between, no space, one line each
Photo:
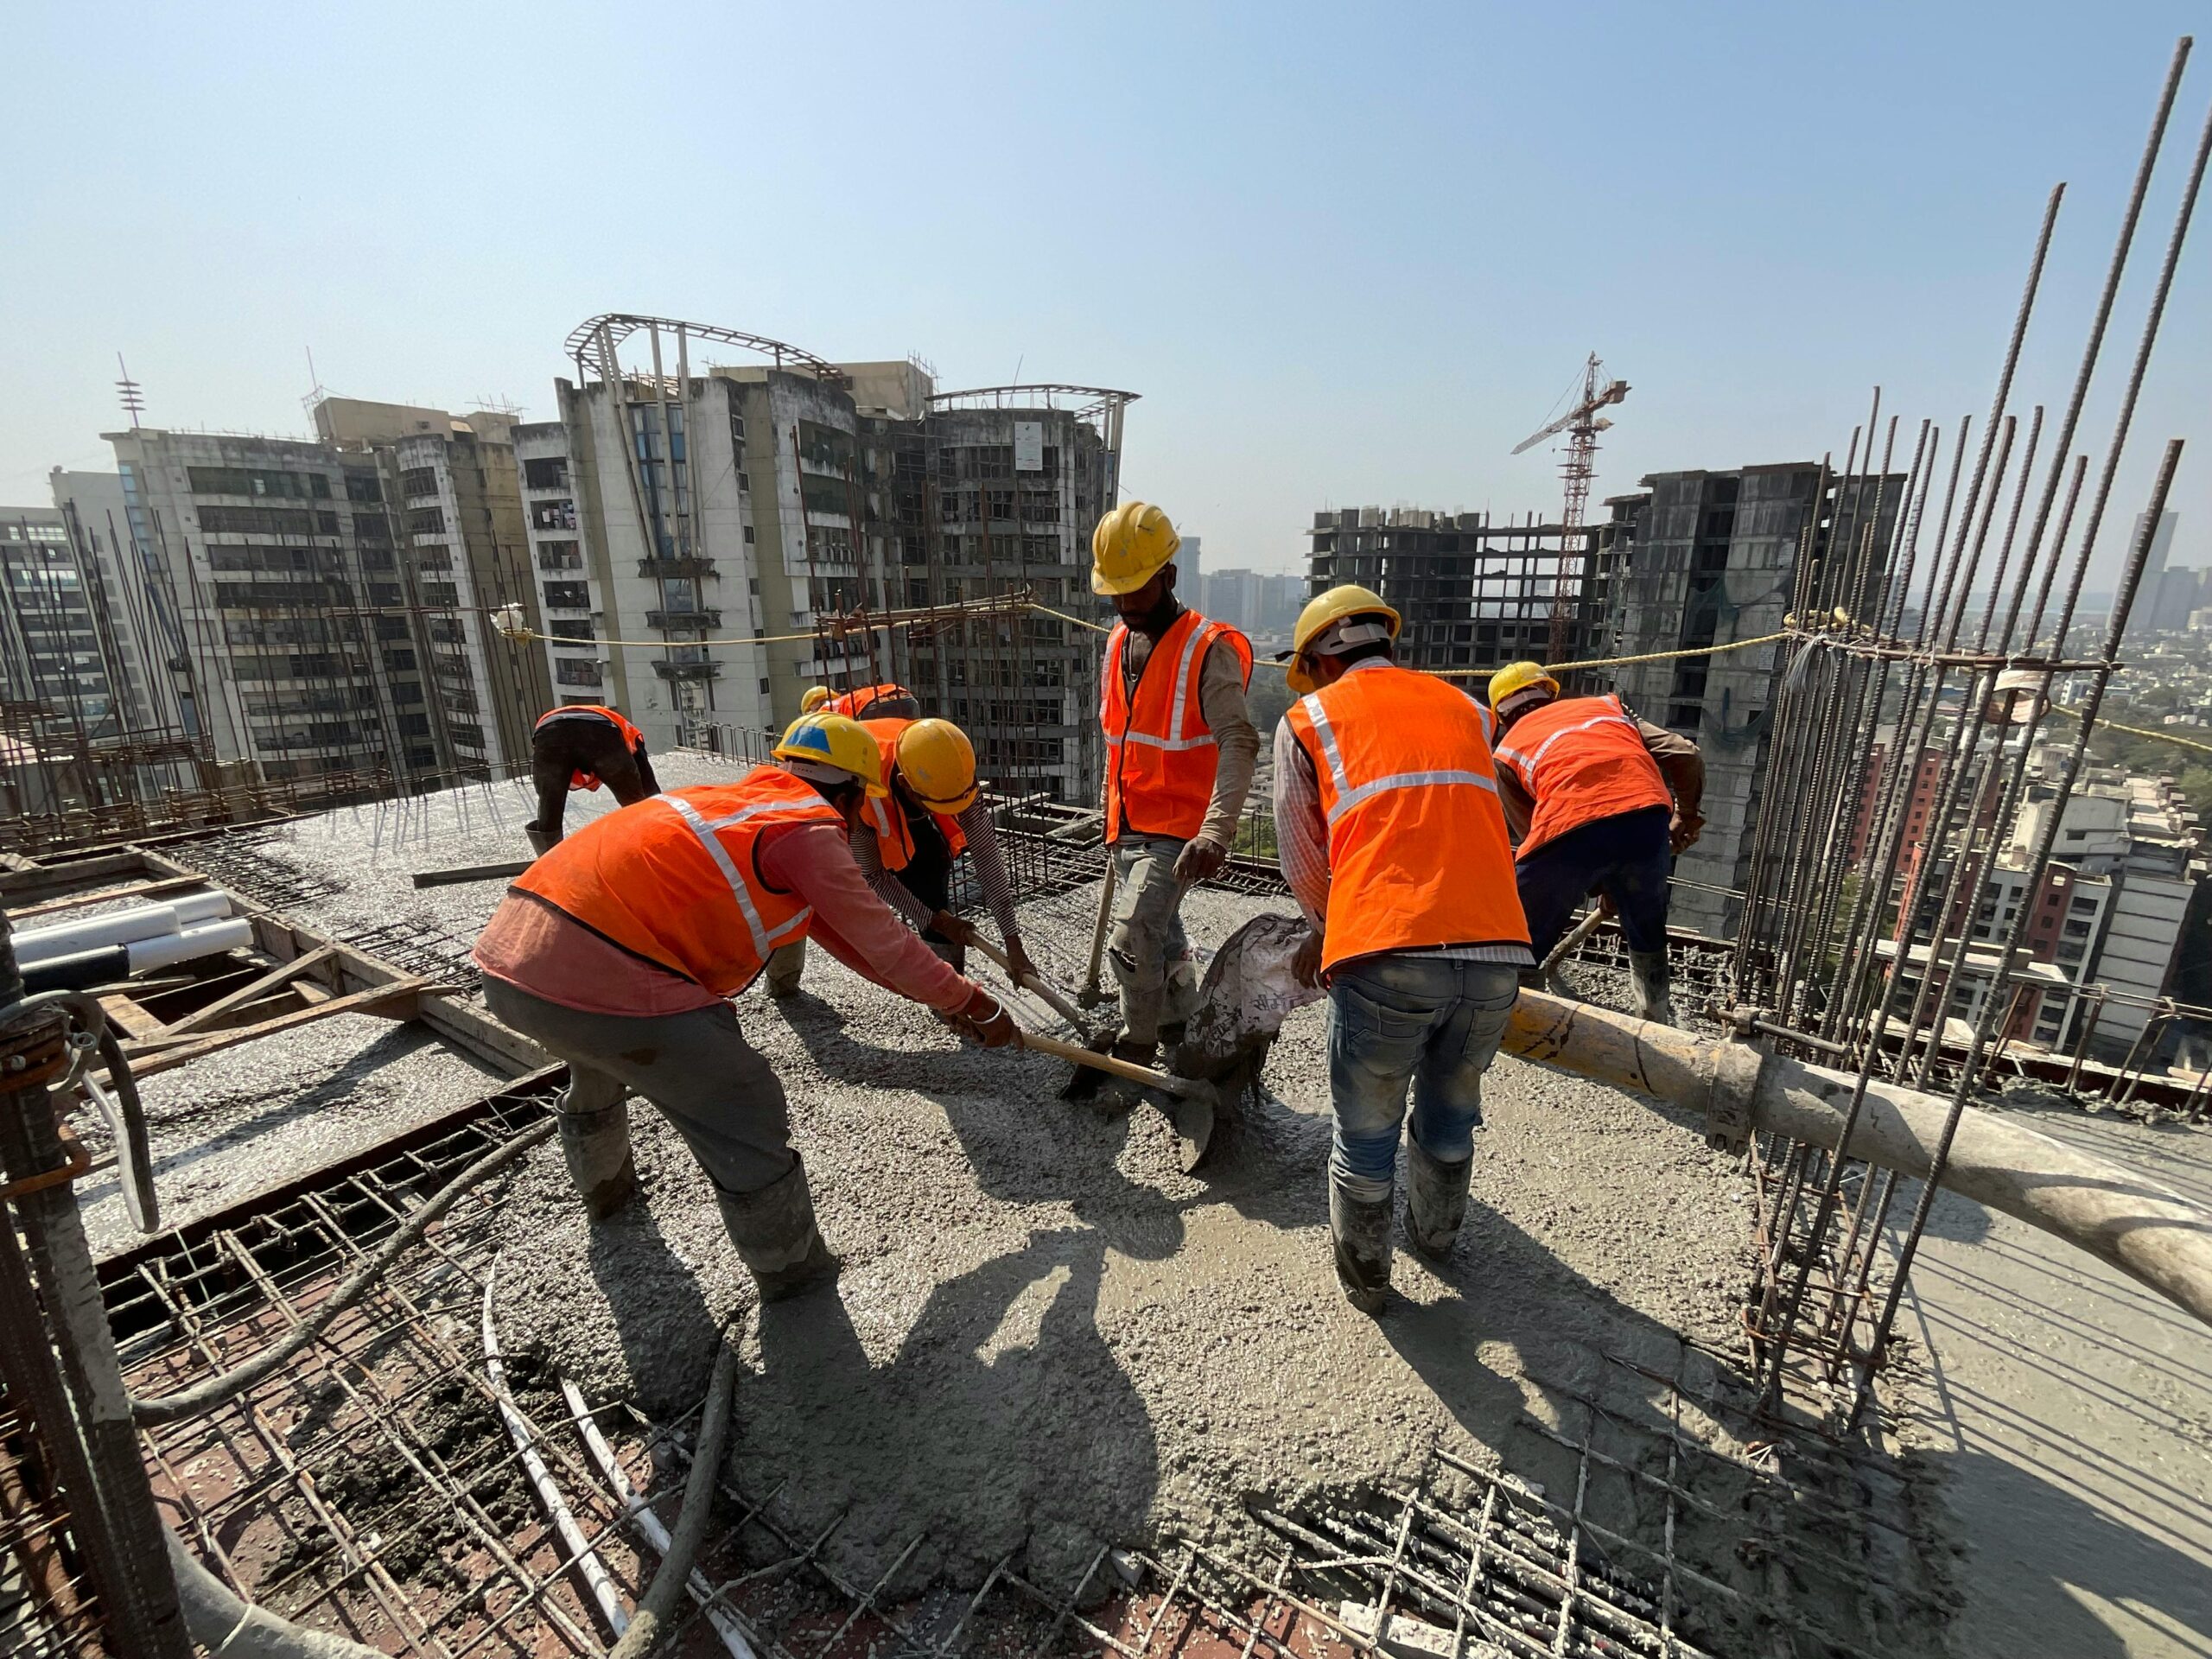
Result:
1418,852
765,938
1160,759
1348,795
887,814
674,878
1581,760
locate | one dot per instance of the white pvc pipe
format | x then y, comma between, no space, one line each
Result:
582,1557
35,945
649,1524
206,939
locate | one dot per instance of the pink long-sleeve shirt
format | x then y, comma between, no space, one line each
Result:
540,949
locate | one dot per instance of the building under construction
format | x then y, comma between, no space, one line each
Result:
1830,1324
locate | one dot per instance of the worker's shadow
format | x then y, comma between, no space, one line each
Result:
1003,1424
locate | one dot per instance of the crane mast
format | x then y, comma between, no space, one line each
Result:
1582,425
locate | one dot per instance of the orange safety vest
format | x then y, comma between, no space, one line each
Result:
1580,759
854,704
631,736
1159,751
894,838
1418,852
677,879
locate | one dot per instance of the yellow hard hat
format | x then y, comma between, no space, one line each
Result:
1519,676
938,763
815,697
1131,545
1322,610
834,740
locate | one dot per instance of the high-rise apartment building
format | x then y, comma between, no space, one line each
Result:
695,535
1702,559
1472,592
331,599
282,557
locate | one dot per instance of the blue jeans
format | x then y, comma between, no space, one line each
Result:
1397,1018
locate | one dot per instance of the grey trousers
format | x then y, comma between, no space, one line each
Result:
1151,958
711,1085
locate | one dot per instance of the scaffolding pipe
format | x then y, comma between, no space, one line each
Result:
2118,1214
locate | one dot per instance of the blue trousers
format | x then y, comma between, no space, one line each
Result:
1396,1019
1626,857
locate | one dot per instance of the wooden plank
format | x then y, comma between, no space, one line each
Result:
48,877
252,990
141,890
134,1020
469,872
375,999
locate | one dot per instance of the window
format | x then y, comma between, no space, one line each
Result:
553,514
419,481
246,481
363,486
568,595
427,521
565,628
441,593
546,473
559,556
576,670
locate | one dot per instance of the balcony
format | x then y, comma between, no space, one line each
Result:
689,670
677,569
687,621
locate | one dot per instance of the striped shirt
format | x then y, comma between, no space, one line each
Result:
990,872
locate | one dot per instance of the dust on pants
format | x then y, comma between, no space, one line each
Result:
712,1086
1145,944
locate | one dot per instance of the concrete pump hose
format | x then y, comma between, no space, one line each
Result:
230,1628
204,1396
649,1625
2149,1232
2153,1235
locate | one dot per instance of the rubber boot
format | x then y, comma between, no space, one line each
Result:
774,1230
1436,1201
597,1147
1649,969
541,841
1359,1230
786,967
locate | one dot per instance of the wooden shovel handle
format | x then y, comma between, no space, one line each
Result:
1166,1081
1060,1005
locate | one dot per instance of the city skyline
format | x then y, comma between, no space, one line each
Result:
1364,303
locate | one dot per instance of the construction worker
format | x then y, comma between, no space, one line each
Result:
1390,838
1180,754
908,839
582,745
889,700
618,949
1600,802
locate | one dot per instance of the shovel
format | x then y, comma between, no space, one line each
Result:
1196,1101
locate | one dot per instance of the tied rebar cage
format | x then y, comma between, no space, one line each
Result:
1900,916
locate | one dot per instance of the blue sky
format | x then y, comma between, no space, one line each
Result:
1346,255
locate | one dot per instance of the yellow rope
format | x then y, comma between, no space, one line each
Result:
2136,731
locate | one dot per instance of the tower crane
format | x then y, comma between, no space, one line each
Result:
1582,425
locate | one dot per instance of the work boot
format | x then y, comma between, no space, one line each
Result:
786,967
1649,969
597,1147
1436,1201
541,841
1359,1228
774,1230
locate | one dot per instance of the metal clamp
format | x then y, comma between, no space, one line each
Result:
1728,1104
78,1162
